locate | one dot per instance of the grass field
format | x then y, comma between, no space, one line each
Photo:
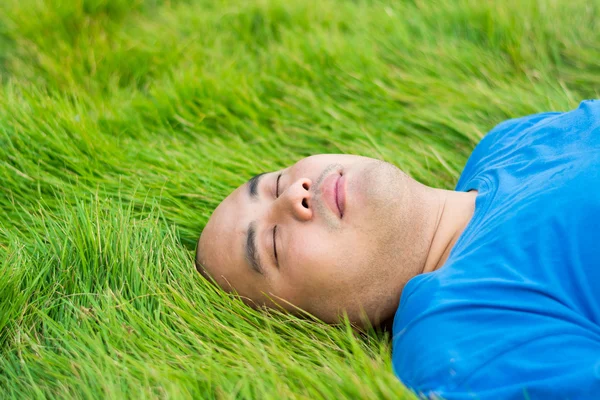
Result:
124,122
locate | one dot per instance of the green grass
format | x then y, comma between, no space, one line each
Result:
124,122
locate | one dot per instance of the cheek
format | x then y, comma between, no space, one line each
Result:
319,262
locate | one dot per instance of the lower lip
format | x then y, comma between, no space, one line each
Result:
340,194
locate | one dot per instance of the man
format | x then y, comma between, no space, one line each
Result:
494,288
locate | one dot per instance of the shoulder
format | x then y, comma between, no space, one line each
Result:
572,131
496,141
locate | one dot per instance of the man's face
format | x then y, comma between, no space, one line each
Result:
325,235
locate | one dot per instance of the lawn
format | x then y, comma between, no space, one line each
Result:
124,122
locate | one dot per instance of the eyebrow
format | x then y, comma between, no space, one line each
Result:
253,186
252,249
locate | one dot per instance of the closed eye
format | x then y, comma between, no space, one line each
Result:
275,246
277,186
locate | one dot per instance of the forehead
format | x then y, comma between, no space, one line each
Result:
221,245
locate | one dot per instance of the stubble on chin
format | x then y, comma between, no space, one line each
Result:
392,225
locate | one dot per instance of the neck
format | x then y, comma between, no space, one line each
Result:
453,211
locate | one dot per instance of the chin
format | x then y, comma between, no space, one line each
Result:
376,197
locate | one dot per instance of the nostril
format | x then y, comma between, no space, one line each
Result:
305,186
304,203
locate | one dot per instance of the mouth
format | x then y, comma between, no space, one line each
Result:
340,194
334,193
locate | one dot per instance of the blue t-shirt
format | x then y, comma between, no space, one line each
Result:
514,313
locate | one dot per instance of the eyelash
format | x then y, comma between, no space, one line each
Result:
277,186
275,228
275,246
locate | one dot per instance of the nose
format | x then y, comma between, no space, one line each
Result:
297,200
